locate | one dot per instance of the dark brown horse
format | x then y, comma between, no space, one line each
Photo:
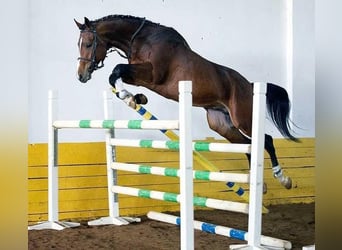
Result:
159,57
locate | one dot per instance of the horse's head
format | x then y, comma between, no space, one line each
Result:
92,50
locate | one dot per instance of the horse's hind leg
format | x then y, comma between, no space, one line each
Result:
219,121
277,170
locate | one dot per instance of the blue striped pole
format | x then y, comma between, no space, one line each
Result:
221,230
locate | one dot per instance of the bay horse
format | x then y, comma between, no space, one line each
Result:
159,57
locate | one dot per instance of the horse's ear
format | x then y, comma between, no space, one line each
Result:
86,22
79,25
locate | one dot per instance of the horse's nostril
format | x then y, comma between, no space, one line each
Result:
81,78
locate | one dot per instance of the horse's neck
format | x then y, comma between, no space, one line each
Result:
118,33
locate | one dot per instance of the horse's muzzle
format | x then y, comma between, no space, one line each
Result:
84,77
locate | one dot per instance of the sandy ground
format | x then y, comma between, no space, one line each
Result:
295,223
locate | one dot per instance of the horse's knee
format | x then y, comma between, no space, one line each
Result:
116,74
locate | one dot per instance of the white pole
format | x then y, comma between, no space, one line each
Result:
185,158
113,204
52,158
257,165
53,222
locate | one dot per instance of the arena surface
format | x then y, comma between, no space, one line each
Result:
295,223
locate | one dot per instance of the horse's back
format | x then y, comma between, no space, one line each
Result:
173,60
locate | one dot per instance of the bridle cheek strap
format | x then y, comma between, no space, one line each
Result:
94,65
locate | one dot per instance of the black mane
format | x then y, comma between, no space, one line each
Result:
112,17
171,32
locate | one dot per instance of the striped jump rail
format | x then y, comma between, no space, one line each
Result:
197,156
230,178
173,172
173,197
174,145
221,230
118,124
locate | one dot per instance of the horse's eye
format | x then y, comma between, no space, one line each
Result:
88,45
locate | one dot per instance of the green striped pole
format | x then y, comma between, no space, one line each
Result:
173,172
118,124
173,197
174,145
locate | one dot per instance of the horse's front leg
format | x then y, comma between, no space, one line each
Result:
135,74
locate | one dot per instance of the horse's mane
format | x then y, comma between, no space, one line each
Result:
111,17
174,33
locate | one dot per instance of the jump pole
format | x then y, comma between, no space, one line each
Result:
221,230
196,155
173,197
176,145
118,124
172,136
257,167
174,172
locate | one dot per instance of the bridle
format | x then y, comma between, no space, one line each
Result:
97,65
94,65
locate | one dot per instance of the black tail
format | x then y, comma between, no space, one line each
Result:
278,107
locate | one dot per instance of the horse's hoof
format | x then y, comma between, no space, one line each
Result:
264,188
140,99
287,182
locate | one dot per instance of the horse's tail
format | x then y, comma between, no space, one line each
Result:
278,107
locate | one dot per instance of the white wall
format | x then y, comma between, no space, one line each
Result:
303,66
249,36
